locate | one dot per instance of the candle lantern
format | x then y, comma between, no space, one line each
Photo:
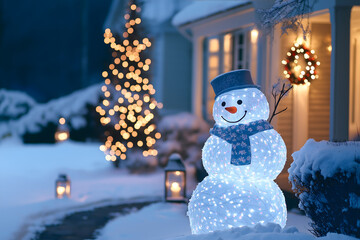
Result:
175,180
62,133
62,186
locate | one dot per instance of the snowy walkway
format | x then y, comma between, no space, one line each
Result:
83,225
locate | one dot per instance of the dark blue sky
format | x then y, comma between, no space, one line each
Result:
41,45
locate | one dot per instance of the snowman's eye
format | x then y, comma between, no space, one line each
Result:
239,102
223,104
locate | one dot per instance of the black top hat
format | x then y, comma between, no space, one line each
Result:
229,81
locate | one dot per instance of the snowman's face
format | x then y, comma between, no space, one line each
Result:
240,106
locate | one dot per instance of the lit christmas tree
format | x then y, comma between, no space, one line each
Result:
129,108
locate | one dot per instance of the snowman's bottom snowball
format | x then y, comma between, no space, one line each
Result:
218,204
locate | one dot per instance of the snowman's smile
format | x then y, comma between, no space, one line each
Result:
237,120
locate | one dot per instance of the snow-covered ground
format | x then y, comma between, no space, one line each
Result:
157,221
27,201
166,221
27,183
269,232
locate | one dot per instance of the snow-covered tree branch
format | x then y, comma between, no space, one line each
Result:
289,13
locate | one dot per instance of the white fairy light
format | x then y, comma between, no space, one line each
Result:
245,195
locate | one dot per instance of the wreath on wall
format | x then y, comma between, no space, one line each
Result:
300,64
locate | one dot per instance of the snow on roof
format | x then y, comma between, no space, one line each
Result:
204,8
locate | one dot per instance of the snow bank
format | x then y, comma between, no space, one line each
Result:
259,232
14,104
326,157
168,220
202,9
71,107
157,221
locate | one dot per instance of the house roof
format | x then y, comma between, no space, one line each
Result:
204,8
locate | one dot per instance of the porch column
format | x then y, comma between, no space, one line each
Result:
340,67
197,68
262,51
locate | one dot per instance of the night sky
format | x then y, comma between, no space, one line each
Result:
41,45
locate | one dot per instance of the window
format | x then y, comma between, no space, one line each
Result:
241,50
222,53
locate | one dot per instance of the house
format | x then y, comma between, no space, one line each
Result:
224,37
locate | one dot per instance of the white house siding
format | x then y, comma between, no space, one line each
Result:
319,93
319,97
284,126
285,119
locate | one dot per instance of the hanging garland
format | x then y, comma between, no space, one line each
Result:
293,71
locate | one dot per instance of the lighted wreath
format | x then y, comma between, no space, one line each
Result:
300,64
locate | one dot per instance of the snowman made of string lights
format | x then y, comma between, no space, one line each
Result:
243,155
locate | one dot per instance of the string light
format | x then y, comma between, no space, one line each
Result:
295,72
124,104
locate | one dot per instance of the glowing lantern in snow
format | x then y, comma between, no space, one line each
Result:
62,186
62,133
175,180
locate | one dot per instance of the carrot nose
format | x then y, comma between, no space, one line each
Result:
231,109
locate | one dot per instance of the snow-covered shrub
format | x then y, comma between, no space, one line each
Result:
137,163
41,122
185,134
14,104
326,178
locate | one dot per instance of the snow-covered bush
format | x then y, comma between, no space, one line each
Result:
41,121
137,163
326,178
185,134
14,104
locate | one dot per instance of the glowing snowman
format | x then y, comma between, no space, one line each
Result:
242,156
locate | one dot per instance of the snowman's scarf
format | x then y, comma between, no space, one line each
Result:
239,138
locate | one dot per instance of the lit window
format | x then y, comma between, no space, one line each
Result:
223,53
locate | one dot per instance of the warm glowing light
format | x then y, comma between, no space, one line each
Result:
61,136
157,135
297,70
130,116
62,121
60,190
254,35
175,188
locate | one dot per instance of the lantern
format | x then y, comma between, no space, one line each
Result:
62,133
62,186
175,180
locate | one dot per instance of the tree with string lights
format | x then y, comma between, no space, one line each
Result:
129,109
